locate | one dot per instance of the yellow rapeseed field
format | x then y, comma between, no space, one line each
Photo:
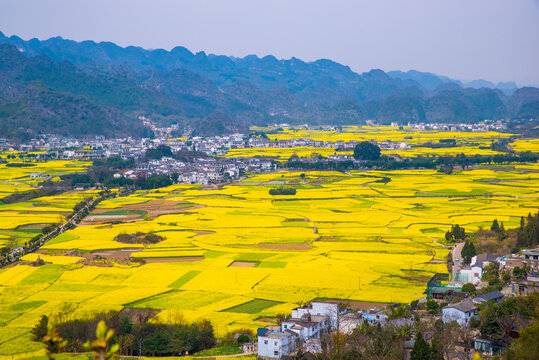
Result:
342,236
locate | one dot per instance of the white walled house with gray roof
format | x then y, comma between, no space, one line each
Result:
307,323
465,310
460,312
321,309
308,326
275,344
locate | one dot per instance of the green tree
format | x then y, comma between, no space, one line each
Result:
40,330
468,288
436,353
432,306
495,227
157,345
468,252
421,350
366,151
125,326
243,338
457,233
526,347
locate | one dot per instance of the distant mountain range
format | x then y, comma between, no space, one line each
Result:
87,88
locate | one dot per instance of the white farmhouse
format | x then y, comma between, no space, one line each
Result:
460,312
471,274
308,326
320,309
275,344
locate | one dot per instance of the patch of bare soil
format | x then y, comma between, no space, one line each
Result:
32,226
138,315
117,254
326,238
152,208
158,207
96,219
266,319
203,232
242,264
285,246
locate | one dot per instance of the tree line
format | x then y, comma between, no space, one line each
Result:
369,156
139,337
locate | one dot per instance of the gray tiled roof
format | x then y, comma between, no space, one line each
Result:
490,296
464,306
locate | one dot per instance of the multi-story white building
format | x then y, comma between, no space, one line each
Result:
307,323
275,344
320,309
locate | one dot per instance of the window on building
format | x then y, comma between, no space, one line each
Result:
265,342
275,343
276,353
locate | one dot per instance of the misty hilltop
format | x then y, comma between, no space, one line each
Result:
88,88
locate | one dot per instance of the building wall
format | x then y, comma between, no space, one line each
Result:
327,309
452,314
274,348
473,275
267,347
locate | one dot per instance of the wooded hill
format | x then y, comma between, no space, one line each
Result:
87,88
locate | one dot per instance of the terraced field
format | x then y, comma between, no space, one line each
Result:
16,179
23,220
469,143
342,236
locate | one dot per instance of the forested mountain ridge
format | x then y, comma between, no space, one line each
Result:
104,83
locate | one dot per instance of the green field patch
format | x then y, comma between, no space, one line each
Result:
212,254
15,344
272,264
30,231
221,350
179,299
23,306
188,276
298,223
252,307
45,274
7,316
62,238
431,230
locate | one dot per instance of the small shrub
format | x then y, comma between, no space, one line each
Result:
282,191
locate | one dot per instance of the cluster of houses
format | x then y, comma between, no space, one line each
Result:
308,324
487,125
303,329
463,311
99,146
524,259
205,171
260,142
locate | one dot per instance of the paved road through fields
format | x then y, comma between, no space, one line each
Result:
455,253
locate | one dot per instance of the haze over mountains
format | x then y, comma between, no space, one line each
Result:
87,88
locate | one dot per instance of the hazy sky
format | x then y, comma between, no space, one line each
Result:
464,39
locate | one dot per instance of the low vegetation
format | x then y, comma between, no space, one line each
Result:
139,238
